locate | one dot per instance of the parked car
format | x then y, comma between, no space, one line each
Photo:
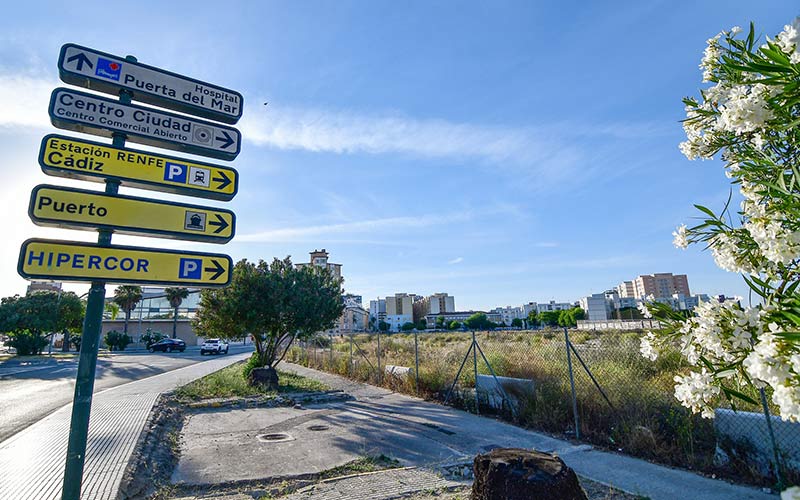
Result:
214,346
168,345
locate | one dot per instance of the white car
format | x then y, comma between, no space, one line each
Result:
214,346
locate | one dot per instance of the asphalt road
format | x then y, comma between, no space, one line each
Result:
31,391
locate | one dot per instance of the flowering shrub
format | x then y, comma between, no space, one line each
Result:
749,115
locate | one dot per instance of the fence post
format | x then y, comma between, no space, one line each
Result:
350,365
380,373
416,362
775,451
572,385
475,370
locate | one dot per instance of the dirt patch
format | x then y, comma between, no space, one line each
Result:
156,453
594,490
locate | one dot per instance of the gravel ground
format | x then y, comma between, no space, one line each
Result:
594,490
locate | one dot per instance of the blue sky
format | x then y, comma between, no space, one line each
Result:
503,152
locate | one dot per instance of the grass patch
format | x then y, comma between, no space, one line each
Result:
230,382
361,465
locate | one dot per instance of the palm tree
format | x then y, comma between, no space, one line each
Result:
126,297
175,296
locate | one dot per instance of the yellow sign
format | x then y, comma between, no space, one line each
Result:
93,161
73,261
57,206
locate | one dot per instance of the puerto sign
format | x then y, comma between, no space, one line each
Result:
107,73
56,206
79,262
92,114
74,158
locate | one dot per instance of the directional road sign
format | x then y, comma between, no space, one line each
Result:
72,261
56,206
64,156
108,73
89,113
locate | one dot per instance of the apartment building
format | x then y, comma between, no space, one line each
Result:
437,303
509,313
377,310
400,310
319,258
595,306
553,306
659,285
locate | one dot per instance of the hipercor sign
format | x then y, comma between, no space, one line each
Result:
69,208
107,73
74,158
80,262
89,113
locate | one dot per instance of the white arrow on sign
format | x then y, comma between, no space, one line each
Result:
107,73
83,112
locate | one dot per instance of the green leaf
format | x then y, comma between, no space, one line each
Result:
706,211
791,336
736,394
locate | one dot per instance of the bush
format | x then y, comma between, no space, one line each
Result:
26,342
150,337
117,341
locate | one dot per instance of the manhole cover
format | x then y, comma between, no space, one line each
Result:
276,437
318,428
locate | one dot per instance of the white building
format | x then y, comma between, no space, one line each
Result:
509,314
399,310
553,306
377,310
595,306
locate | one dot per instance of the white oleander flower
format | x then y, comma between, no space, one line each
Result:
789,40
735,30
646,347
792,493
695,391
787,398
710,59
680,238
728,256
745,109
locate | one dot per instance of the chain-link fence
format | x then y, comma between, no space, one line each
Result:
591,386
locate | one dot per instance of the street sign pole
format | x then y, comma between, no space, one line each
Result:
87,363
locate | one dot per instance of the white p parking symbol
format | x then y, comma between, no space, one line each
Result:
175,172
190,269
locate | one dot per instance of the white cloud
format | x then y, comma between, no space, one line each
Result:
456,260
360,226
23,101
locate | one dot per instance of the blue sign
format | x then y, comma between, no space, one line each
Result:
175,172
108,69
191,269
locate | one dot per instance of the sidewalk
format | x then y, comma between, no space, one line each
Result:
467,434
32,461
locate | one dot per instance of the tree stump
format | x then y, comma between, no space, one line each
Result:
519,474
266,376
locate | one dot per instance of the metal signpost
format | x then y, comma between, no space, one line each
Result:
57,206
92,114
73,158
110,212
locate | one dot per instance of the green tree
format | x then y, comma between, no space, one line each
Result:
175,296
383,326
516,323
29,319
454,325
477,321
421,325
440,322
112,310
276,303
126,297
548,318
407,326
533,319
117,341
